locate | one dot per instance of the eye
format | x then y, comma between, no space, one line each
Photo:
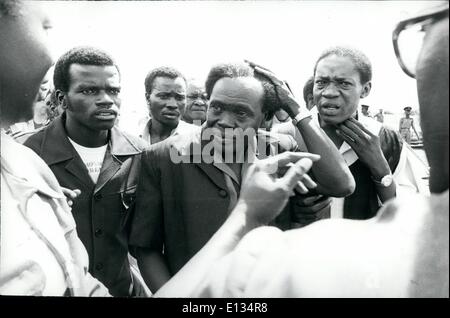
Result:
114,91
216,108
89,91
164,96
345,84
320,83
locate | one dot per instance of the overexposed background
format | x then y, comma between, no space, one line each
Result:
285,36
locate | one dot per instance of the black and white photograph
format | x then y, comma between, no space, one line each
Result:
224,149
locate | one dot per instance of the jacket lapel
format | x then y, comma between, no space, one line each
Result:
109,168
213,173
119,145
56,148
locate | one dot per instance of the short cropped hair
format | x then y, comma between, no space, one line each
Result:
360,60
84,55
237,70
163,71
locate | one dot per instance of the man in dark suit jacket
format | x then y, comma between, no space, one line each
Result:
87,152
189,184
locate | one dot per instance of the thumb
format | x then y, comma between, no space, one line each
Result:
296,173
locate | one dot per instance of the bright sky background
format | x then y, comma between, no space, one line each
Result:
285,36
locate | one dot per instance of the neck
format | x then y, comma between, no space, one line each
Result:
330,130
159,130
188,119
85,136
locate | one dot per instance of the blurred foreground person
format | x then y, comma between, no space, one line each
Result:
41,253
402,252
41,115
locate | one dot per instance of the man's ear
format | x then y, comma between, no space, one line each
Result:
147,98
61,97
366,89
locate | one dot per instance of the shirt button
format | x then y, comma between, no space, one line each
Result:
97,196
99,266
98,232
223,193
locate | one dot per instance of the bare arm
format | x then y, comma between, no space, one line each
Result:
332,174
250,212
153,268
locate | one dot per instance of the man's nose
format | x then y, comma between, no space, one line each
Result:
330,91
105,100
172,103
226,120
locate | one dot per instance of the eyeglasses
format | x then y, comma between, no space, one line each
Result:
408,36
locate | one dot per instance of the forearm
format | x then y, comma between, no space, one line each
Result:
223,242
153,268
331,173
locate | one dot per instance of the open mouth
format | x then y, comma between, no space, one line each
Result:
329,109
106,115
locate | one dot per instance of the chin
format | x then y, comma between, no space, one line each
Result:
171,123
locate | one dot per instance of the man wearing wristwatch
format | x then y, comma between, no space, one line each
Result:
342,76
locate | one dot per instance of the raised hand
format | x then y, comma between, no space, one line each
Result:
264,193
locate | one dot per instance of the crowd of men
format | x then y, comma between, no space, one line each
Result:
88,209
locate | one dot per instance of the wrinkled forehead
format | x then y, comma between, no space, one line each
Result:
337,66
167,84
81,73
241,90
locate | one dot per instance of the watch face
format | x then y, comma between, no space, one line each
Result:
387,180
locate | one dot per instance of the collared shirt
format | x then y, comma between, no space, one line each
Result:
406,169
181,129
40,251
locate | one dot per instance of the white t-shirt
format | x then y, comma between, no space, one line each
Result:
92,158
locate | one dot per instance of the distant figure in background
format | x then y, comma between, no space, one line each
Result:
165,92
365,110
308,95
406,123
54,107
196,103
379,116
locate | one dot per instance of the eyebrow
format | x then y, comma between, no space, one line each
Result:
95,85
338,78
236,107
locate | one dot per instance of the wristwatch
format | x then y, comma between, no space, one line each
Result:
301,115
386,181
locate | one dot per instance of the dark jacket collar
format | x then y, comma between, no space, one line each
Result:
56,146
